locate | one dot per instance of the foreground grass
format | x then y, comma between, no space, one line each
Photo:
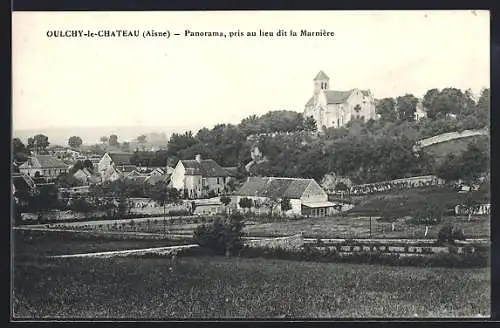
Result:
242,288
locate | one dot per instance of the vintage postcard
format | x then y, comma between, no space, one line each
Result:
286,165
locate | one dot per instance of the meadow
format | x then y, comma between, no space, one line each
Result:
217,287
220,287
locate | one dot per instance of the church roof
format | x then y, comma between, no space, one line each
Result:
337,97
321,76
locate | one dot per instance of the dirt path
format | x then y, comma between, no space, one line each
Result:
142,251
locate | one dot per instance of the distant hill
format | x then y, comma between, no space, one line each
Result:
91,135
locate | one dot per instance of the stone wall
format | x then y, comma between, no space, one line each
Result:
292,242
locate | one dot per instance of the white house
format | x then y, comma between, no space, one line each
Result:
199,176
306,196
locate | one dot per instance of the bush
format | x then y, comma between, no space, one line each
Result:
449,234
223,236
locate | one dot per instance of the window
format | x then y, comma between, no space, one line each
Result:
217,180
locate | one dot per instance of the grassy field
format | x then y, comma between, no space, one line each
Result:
406,202
456,147
32,244
211,287
359,227
218,287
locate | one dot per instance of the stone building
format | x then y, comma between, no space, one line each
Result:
332,108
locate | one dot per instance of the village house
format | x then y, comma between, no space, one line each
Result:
117,160
332,108
64,153
85,176
198,177
43,166
306,197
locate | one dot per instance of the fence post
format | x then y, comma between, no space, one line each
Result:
370,227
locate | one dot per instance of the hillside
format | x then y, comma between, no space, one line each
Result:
455,146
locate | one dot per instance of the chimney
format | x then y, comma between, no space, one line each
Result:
198,158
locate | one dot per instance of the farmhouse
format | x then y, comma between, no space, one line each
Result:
43,165
306,196
198,177
331,108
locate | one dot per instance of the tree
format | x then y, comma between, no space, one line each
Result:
483,107
113,140
271,203
246,202
225,200
142,140
474,161
386,108
310,124
430,213
19,150
406,107
75,142
448,101
104,139
80,204
285,205
450,169
38,143
221,236
125,146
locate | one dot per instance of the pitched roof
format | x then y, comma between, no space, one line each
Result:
337,97
43,161
206,168
22,181
154,179
121,158
232,170
321,76
292,188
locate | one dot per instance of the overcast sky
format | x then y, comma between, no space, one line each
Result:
75,82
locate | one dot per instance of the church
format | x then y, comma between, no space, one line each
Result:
331,108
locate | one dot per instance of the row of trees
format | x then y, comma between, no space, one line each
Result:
438,104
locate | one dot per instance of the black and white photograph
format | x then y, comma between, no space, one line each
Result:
222,165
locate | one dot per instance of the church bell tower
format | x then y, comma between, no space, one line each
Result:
321,82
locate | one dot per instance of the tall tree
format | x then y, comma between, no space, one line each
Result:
386,108
19,150
38,143
406,107
483,107
75,142
113,140
104,139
